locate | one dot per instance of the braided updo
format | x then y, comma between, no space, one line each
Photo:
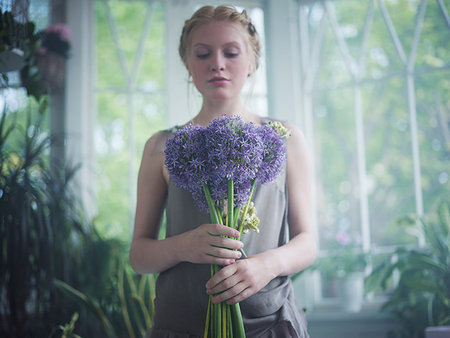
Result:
208,14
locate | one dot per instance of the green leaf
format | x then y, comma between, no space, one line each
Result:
91,304
444,219
380,275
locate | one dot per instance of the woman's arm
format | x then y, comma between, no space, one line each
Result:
246,277
204,244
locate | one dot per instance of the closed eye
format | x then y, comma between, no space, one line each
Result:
231,55
203,56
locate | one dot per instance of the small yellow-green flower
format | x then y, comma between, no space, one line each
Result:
279,128
251,221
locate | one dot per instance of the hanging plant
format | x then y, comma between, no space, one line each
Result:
18,42
52,55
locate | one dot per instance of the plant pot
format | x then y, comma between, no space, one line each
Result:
52,68
437,332
11,60
351,291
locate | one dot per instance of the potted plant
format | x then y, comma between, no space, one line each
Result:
52,54
345,263
50,249
17,42
420,299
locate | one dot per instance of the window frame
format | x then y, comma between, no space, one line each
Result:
283,18
309,57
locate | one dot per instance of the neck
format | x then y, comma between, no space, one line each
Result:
212,110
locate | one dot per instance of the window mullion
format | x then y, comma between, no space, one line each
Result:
444,12
395,38
362,169
143,39
115,39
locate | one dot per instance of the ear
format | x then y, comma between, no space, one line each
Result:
186,64
251,68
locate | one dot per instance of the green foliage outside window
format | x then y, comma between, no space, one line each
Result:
386,119
130,103
130,107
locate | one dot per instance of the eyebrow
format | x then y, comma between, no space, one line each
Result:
228,44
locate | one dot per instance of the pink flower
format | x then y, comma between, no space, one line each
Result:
41,51
60,29
343,238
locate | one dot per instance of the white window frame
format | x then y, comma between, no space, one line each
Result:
309,56
79,122
288,52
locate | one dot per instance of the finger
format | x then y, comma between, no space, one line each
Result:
222,230
233,294
219,261
224,253
228,243
220,276
241,296
220,285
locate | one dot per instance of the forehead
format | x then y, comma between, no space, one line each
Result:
218,33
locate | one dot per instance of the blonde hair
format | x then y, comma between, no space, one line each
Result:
207,14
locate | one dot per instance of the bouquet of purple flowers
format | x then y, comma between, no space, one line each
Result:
220,166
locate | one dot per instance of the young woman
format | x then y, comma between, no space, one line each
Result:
220,48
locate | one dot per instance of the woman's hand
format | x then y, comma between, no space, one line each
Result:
238,281
208,243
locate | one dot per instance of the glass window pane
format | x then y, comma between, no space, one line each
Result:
433,97
402,166
389,160
153,60
112,157
108,65
130,104
338,204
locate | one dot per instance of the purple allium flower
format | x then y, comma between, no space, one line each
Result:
235,151
274,155
228,148
186,159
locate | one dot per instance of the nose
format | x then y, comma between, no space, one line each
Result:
217,63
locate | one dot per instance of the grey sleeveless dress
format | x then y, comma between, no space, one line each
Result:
181,300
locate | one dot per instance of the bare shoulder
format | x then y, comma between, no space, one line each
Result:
298,156
296,139
156,144
153,156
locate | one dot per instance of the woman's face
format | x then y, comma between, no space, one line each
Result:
218,60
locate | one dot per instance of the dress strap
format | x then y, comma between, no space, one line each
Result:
174,129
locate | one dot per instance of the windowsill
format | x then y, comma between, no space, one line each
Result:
330,321
369,311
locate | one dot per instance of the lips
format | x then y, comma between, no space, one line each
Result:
218,80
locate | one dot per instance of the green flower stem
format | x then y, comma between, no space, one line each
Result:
223,320
219,217
230,203
237,211
252,189
218,317
238,327
229,322
208,317
213,314
212,210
